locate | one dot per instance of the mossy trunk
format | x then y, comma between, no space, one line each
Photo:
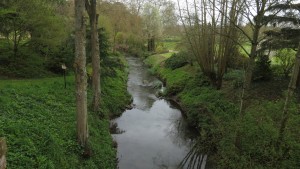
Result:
95,52
80,73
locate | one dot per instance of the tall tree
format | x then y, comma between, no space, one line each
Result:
95,52
136,6
205,30
291,88
288,21
80,73
169,18
22,23
152,24
254,13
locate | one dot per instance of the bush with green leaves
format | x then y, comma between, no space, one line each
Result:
177,60
235,76
285,59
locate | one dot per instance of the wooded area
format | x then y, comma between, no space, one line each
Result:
232,66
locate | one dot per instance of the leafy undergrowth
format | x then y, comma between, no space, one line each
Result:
38,119
214,114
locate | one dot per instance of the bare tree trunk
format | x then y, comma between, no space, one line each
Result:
3,149
249,71
91,8
247,82
80,73
114,40
15,44
153,43
291,88
149,43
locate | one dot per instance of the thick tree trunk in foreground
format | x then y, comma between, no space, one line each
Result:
80,73
3,149
291,88
91,8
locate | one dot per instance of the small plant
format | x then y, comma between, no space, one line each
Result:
177,60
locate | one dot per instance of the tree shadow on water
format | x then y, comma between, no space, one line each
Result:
194,159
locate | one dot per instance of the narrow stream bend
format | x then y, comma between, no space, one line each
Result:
153,136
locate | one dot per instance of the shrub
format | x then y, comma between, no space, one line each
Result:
236,76
177,60
262,70
285,58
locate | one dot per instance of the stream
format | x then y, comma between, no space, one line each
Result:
152,134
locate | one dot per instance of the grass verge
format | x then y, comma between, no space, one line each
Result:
38,119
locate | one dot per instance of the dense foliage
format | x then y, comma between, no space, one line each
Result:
177,60
33,43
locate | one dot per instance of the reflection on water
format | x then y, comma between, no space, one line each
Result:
154,136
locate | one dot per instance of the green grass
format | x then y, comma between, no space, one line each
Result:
155,60
175,79
170,45
38,119
217,120
167,55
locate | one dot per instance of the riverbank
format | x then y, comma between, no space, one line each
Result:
214,113
38,119
188,87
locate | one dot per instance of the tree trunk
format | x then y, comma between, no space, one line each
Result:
153,44
291,88
91,8
3,149
80,73
114,41
247,82
249,71
246,85
15,44
149,44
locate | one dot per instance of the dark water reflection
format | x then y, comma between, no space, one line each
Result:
154,136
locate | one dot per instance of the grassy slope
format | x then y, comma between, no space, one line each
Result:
187,87
215,114
39,121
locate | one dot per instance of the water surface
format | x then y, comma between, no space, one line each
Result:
153,136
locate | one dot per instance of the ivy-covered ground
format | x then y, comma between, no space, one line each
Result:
38,119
